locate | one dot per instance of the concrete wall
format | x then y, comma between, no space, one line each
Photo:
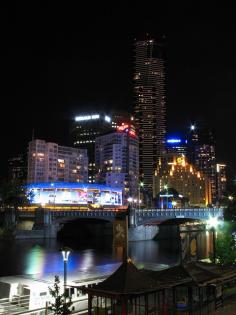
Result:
142,233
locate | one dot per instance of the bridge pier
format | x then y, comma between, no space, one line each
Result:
10,217
43,221
132,218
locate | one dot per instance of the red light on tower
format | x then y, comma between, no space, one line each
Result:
123,127
127,128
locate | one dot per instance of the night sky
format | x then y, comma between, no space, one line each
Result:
59,60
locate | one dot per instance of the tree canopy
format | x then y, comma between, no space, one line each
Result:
225,248
61,304
13,193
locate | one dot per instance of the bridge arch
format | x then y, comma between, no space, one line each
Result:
85,229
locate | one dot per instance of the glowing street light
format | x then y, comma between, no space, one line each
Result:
130,199
141,184
166,188
174,203
65,254
213,223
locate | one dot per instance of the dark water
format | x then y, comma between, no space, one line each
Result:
43,257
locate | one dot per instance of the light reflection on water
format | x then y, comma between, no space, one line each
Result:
44,257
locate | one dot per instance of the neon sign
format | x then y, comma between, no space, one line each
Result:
87,117
173,140
127,128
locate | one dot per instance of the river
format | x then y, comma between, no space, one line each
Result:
21,257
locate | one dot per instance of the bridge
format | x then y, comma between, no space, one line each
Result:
52,220
136,216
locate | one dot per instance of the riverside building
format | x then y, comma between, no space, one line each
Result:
203,156
184,178
117,160
50,162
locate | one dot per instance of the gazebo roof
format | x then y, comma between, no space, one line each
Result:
197,273
127,279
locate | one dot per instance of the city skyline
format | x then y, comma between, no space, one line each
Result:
60,66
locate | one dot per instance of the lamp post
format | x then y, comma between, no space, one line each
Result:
166,187
213,223
65,254
139,186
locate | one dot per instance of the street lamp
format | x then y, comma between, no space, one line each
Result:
139,186
65,254
212,224
166,188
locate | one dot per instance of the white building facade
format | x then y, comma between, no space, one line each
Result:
47,162
117,161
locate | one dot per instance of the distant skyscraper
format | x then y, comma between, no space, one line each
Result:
221,180
17,167
85,129
150,106
176,147
119,117
48,162
202,154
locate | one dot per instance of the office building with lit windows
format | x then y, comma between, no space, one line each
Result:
84,131
17,167
221,180
184,178
203,156
119,117
50,162
117,160
176,147
150,106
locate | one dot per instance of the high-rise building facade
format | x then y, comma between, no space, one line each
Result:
176,147
85,129
184,178
17,167
48,162
203,156
221,180
117,160
120,117
150,107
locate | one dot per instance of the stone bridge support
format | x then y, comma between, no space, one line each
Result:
43,221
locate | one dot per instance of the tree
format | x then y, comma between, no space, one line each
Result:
225,248
61,304
14,194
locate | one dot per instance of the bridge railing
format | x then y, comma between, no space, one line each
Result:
191,213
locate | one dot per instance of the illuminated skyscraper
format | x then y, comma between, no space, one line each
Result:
117,157
150,107
86,128
221,180
202,155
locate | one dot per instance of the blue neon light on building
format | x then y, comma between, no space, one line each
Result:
74,193
174,141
